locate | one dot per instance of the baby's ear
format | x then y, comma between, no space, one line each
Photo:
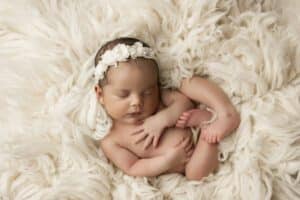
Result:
99,93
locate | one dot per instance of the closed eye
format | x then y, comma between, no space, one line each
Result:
122,94
147,92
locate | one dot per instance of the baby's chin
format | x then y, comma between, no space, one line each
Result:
135,120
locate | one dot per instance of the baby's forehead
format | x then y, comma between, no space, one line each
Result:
133,73
141,62
147,66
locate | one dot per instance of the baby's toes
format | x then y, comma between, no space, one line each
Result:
204,137
184,116
218,138
211,137
214,139
183,119
180,123
187,113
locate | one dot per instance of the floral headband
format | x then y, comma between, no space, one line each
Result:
119,53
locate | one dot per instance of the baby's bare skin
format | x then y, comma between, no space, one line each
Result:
131,98
170,137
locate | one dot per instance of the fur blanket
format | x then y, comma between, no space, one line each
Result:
48,143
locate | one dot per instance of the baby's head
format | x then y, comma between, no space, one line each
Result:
127,80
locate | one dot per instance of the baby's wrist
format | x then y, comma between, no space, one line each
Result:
167,120
161,121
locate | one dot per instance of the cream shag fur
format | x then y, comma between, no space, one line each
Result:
48,143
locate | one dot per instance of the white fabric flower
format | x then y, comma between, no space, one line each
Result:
119,53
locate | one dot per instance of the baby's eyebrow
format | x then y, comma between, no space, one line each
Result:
150,86
123,90
126,90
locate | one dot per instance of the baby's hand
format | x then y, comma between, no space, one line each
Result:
180,153
150,131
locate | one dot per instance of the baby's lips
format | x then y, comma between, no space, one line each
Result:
134,113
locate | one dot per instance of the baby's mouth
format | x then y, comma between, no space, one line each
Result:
138,117
134,114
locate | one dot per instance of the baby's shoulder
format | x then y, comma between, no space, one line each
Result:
108,141
166,93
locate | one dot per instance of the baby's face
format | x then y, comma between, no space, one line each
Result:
132,92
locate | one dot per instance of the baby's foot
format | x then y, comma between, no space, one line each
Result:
219,129
193,118
209,136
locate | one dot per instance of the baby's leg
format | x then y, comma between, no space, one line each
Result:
169,139
203,161
201,118
204,91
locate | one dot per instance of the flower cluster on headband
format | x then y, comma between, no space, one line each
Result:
119,53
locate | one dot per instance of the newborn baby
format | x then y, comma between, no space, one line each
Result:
143,140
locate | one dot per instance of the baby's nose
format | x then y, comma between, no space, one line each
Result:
137,101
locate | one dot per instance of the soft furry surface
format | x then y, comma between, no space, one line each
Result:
48,143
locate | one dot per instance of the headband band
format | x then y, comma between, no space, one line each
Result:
119,53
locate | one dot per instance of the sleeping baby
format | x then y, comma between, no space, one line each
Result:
150,133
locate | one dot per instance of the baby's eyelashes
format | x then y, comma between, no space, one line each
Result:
124,94
147,92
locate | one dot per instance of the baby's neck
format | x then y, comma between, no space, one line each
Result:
123,126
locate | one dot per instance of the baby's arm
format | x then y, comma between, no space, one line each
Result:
205,91
132,165
175,103
150,131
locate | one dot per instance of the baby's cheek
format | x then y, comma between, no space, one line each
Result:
151,106
114,109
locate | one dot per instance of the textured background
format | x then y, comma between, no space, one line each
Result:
48,146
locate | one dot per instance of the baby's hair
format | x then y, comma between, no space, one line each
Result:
110,45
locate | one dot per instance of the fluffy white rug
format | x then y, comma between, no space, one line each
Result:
48,146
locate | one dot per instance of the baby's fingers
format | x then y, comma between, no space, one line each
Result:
137,131
189,147
140,137
185,142
148,142
190,152
155,141
188,156
180,123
